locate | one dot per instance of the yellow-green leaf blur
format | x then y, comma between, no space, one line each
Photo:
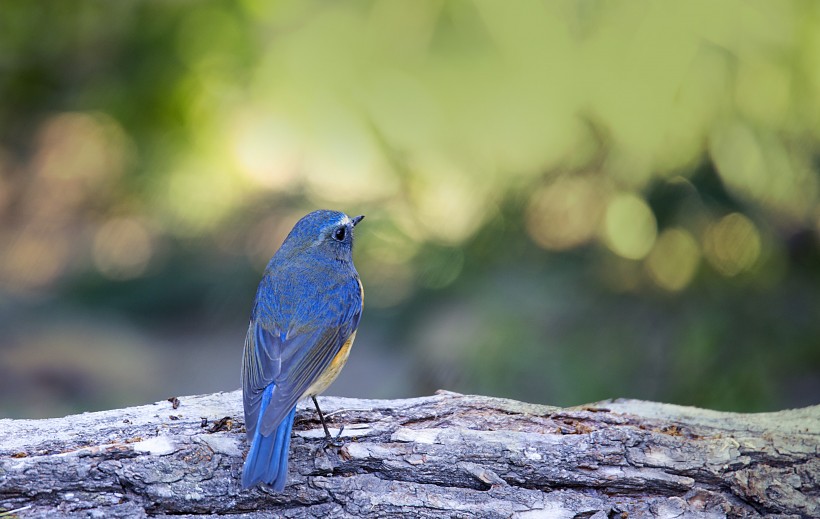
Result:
566,201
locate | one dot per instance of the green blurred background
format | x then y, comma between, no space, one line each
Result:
566,201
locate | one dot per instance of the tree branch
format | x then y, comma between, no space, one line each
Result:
444,455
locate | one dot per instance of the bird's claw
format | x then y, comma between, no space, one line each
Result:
337,441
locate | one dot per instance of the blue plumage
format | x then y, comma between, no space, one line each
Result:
303,322
268,457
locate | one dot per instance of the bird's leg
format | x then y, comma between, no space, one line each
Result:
329,440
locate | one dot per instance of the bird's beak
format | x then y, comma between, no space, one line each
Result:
357,219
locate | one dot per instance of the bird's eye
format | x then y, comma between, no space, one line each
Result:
339,233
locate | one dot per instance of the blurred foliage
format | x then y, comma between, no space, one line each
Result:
567,201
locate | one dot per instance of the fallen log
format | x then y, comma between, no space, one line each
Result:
447,455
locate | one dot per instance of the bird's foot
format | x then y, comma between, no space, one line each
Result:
334,441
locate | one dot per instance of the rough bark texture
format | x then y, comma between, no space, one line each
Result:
447,455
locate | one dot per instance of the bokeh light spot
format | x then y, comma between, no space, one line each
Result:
674,259
84,146
449,204
122,248
199,194
33,259
78,157
629,226
732,245
565,214
267,151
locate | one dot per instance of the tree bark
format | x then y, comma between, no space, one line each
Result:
447,455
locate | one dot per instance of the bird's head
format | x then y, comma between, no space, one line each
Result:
323,232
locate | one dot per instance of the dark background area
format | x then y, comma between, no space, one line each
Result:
566,201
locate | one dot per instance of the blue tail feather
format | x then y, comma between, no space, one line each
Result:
267,461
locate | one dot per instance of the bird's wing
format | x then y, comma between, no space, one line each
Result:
293,361
260,364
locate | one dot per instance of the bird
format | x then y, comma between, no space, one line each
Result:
302,326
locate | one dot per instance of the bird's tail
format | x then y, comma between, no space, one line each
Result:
267,461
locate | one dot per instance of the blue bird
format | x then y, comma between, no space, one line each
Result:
303,323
